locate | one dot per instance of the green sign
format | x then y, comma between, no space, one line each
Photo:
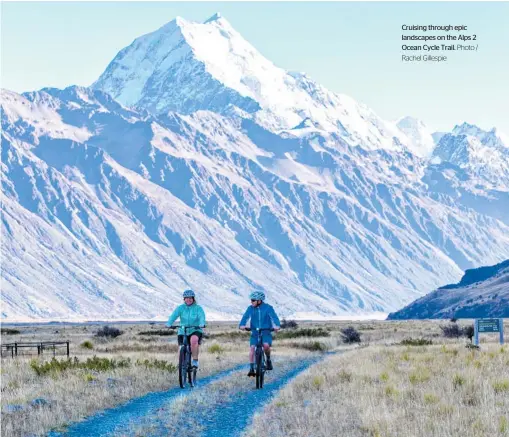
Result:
488,325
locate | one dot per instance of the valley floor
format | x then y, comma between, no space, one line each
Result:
403,379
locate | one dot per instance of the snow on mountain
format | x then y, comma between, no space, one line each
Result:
153,205
485,154
186,66
217,171
422,141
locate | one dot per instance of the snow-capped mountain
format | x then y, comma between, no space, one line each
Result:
482,292
110,211
419,134
186,66
484,154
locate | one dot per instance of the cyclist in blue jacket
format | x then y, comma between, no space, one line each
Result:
262,315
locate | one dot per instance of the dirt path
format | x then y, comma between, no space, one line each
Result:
221,405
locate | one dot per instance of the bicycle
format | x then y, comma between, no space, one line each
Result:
186,369
260,356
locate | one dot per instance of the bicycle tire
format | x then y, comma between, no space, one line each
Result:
182,367
259,368
190,372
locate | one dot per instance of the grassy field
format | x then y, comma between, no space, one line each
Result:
381,388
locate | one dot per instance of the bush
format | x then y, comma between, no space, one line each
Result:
416,342
288,324
87,345
232,335
9,331
107,331
95,363
305,332
157,364
350,335
469,331
315,346
158,332
452,330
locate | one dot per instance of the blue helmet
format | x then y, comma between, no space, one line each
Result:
257,295
188,293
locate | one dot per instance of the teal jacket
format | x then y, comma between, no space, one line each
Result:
192,315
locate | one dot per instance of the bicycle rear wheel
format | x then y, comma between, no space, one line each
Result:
191,373
182,366
260,368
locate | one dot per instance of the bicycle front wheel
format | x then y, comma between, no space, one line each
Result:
182,366
260,368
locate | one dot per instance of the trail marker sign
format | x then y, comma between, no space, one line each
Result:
488,325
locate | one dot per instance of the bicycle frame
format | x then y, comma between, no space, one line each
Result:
185,369
260,356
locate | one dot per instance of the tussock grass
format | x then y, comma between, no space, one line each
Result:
367,391
416,342
302,332
425,391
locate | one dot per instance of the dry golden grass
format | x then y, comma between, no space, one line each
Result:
77,393
381,389
433,391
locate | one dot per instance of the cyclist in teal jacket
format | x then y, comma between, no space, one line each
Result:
262,315
191,314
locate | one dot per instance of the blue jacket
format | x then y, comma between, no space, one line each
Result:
262,316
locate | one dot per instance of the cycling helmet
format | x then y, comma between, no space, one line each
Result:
188,293
257,295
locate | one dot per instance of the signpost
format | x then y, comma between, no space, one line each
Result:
488,325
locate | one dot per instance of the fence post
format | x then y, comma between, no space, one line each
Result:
12,352
67,348
15,348
38,350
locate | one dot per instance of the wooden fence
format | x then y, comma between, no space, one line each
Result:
13,348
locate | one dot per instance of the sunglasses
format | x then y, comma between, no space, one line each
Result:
254,300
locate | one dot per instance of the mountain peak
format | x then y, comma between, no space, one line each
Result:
214,17
419,135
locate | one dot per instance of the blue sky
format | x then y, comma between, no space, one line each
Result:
351,48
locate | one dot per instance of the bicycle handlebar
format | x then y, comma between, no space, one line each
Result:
259,329
187,327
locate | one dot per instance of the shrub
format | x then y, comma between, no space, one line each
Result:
304,332
87,345
232,335
350,335
161,332
451,331
107,331
289,324
469,331
95,363
315,346
416,342
157,364
9,331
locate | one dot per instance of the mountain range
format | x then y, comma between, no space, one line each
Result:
195,162
481,293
